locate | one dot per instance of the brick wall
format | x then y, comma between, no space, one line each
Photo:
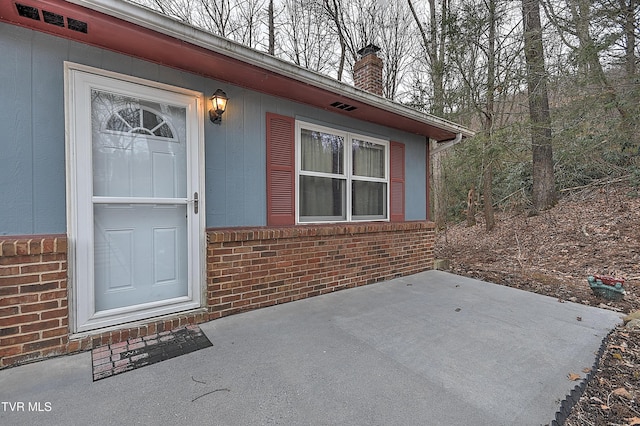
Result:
34,314
367,74
34,320
246,269
135,330
253,268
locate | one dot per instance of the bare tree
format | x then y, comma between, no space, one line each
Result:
434,42
543,195
489,113
179,9
248,22
335,11
217,17
573,19
306,39
593,31
396,43
356,23
629,17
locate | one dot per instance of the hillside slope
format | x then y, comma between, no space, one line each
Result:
596,231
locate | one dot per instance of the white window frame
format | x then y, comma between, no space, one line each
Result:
348,176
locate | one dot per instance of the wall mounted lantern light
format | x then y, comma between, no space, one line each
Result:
218,104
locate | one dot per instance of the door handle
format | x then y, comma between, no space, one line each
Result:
195,202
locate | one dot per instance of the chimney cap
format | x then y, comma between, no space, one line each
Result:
368,49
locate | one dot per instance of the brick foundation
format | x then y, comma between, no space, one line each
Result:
247,268
34,320
254,268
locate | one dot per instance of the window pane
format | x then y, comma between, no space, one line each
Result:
163,131
322,152
150,120
131,116
126,164
322,198
368,159
369,199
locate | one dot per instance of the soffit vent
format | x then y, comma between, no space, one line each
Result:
75,25
28,11
344,107
51,18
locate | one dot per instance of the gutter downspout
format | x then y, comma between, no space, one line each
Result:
433,148
442,145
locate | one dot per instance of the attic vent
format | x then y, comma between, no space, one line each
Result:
342,106
51,18
28,11
76,25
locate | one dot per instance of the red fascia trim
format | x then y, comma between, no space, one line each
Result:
111,33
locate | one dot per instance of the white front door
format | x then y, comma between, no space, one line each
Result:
136,220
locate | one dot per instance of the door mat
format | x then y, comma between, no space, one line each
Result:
109,360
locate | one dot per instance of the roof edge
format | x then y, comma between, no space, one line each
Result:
155,21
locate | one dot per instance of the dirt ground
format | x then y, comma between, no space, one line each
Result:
592,231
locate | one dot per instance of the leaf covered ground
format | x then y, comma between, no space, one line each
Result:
594,231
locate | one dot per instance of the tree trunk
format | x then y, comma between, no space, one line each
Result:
272,30
437,44
629,125
471,207
438,189
588,56
487,187
544,195
434,49
629,35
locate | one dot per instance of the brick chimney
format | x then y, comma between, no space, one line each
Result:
367,71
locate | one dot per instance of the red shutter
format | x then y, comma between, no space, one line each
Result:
397,182
280,170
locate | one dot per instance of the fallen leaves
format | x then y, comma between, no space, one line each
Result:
573,377
633,421
631,316
623,393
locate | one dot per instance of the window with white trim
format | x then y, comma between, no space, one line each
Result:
341,176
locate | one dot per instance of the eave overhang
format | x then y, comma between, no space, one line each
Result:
133,30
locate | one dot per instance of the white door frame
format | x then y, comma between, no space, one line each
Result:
79,80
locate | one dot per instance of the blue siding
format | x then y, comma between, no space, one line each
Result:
32,146
16,140
49,211
415,180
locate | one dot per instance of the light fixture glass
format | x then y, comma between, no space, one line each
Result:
218,106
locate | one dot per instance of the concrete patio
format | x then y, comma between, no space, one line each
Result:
428,349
